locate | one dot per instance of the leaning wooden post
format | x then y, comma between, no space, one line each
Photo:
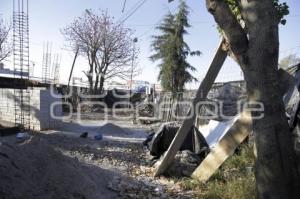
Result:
201,95
238,132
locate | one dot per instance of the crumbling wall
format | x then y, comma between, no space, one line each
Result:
40,108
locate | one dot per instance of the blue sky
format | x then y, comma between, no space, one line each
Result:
48,17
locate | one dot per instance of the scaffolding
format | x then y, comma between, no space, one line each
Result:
46,68
56,68
21,63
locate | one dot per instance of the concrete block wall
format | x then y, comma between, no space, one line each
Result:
40,106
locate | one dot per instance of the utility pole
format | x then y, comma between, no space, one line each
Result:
131,75
73,64
132,66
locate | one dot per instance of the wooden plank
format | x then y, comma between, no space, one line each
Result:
225,148
201,95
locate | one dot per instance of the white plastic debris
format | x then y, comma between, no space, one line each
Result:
214,131
22,136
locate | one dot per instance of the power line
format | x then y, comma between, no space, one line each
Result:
124,4
133,11
148,25
130,10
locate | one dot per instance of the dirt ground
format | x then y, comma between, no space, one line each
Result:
56,165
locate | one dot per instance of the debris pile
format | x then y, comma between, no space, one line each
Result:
146,110
35,170
162,139
192,152
131,173
113,130
184,164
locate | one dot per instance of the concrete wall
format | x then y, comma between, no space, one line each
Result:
40,104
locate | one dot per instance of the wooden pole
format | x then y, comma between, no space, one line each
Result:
201,95
72,68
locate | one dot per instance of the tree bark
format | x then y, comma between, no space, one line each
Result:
90,80
101,84
276,170
96,89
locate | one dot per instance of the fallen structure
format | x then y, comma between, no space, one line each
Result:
161,140
214,131
223,144
239,130
201,95
224,137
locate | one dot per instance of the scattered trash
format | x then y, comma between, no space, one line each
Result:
22,136
148,139
192,152
84,135
184,164
98,136
162,139
146,110
214,131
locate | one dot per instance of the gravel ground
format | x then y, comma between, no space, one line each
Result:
81,168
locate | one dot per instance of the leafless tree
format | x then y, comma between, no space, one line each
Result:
5,46
107,45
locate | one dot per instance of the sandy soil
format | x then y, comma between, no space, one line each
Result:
56,165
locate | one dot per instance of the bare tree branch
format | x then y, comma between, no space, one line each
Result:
5,46
108,46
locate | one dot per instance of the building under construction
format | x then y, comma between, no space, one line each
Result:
25,103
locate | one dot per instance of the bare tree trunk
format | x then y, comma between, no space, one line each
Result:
256,51
101,84
96,89
90,79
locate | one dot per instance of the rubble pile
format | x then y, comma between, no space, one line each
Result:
60,166
36,170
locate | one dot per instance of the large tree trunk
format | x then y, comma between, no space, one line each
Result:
276,169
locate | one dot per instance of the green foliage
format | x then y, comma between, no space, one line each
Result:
282,8
231,181
172,51
234,7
